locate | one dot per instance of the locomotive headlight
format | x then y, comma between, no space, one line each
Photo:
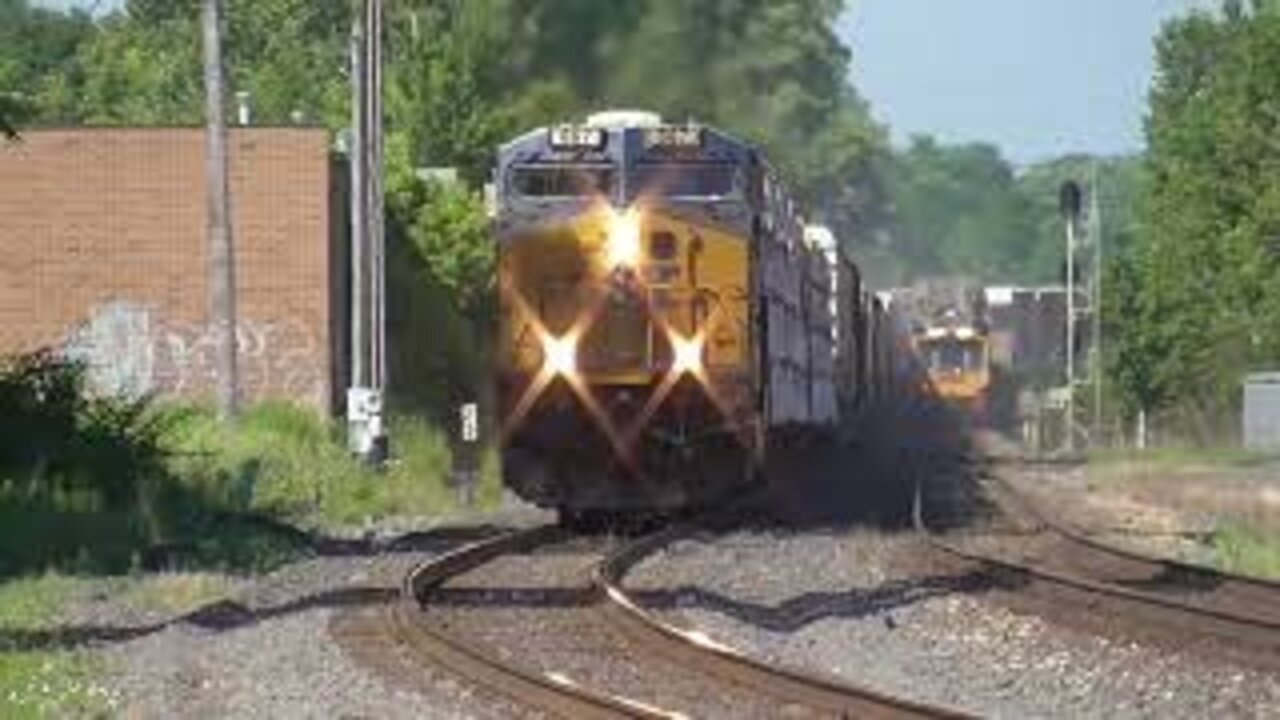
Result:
686,354
560,354
622,245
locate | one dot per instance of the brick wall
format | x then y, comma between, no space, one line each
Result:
103,254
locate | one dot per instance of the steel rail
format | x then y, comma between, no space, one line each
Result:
1082,538
412,619
1260,635
696,650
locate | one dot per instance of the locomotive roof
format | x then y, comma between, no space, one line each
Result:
536,145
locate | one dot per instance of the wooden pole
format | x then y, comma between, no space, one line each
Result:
222,280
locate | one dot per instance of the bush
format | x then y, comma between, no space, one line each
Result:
105,484
290,462
68,444
87,484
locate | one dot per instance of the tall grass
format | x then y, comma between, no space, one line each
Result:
1162,457
99,484
1244,549
290,462
45,683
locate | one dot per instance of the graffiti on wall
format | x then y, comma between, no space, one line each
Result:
129,349
116,348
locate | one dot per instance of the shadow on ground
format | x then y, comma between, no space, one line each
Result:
870,473
797,612
227,615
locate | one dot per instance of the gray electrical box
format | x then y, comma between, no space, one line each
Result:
1262,410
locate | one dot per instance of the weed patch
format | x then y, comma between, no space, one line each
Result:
1182,457
290,463
175,594
1247,550
106,485
37,683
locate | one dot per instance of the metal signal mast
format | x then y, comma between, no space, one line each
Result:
1084,301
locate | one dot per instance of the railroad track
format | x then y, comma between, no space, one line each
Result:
1190,605
461,612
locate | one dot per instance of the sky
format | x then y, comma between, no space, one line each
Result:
1038,78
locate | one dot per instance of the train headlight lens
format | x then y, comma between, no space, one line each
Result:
623,243
686,355
560,354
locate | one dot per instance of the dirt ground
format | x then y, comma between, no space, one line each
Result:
1164,502
1197,493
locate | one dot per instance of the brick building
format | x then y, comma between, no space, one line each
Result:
103,255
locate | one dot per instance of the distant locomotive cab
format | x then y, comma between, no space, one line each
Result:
958,362
951,338
660,313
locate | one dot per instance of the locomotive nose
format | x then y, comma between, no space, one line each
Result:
622,243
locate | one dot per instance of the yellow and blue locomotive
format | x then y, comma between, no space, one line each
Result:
665,323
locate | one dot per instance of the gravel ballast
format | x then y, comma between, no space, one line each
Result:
856,605
308,640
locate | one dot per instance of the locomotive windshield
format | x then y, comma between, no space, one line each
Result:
953,356
692,180
552,181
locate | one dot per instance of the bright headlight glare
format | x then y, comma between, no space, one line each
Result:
560,354
623,242
686,354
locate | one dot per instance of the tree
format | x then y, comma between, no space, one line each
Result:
1119,182
1206,259
12,112
958,211
38,50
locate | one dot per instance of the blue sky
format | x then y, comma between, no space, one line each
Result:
1037,77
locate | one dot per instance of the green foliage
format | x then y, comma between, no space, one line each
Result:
15,109
450,232
38,53
42,684
68,444
959,212
1200,287
963,210
1119,180
109,485
287,462
91,478
1248,550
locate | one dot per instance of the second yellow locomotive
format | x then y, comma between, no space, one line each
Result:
665,322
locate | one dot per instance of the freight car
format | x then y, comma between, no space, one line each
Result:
665,320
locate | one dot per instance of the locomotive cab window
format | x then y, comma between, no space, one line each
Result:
954,356
689,180
561,181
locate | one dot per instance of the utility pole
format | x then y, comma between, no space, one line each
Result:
366,431
1095,284
1069,201
222,267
